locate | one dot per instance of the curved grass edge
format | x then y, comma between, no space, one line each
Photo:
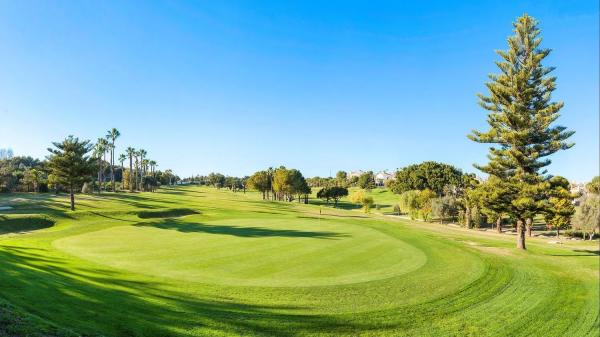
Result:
20,223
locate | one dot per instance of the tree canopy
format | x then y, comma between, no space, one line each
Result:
427,175
70,164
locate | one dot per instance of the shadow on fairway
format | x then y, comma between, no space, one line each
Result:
585,252
340,205
95,301
181,191
241,231
166,213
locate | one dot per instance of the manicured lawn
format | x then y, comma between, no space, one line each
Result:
192,261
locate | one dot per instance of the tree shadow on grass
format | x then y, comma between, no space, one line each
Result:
345,205
23,224
99,301
180,191
585,252
241,231
167,213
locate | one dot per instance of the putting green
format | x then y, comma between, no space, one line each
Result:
257,252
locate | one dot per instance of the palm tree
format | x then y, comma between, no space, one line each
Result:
152,164
145,166
169,174
143,154
122,159
100,151
131,153
112,135
141,173
137,169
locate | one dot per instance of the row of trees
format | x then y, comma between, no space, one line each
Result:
365,181
142,173
73,163
280,184
435,190
218,181
23,174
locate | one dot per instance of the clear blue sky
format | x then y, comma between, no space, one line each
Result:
236,86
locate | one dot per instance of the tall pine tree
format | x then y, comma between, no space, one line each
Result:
521,116
70,164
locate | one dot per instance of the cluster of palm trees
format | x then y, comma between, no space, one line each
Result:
139,165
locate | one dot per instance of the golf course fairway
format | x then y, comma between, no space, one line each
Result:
196,261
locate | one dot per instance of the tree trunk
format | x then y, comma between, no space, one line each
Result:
122,176
112,166
520,235
130,174
558,232
72,198
529,225
499,225
99,166
468,217
103,161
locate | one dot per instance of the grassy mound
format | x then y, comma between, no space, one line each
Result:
23,223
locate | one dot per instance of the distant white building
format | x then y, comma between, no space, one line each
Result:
580,191
355,174
382,177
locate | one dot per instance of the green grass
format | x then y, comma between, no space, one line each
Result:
384,200
194,261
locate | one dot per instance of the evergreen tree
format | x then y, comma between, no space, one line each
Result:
521,116
494,199
70,165
559,204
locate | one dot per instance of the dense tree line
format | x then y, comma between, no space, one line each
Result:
280,184
78,165
218,181
341,179
428,175
23,174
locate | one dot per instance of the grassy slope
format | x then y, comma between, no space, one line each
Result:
241,266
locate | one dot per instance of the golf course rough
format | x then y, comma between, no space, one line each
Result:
192,261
